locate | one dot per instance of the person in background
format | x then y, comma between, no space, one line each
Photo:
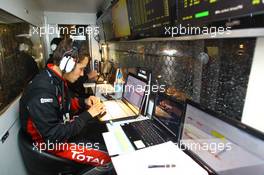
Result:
28,67
51,116
53,45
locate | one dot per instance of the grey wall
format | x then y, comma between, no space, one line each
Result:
11,161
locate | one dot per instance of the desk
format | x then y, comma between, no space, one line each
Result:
126,159
116,134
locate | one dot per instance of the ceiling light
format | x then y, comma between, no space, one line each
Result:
170,52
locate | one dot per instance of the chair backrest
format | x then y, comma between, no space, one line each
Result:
43,163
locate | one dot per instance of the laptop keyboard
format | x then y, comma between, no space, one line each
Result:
118,109
143,130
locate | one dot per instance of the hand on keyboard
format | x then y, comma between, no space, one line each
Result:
96,109
100,116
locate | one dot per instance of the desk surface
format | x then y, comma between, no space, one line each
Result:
116,140
165,158
127,160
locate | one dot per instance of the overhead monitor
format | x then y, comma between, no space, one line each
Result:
148,18
195,11
227,146
121,26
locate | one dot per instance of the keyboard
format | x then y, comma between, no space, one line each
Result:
143,130
116,110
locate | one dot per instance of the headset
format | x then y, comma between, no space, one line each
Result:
68,61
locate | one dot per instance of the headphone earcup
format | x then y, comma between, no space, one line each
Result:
67,64
63,63
70,65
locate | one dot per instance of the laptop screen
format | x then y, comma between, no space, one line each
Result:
225,145
134,90
169,112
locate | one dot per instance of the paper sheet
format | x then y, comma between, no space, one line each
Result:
168,153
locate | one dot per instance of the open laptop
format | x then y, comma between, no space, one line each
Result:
163,126
131,102
224,145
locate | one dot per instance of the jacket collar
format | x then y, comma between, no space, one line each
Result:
55,73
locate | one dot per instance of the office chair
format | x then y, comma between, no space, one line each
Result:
42,163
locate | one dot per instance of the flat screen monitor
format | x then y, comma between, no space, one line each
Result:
121,26
169,111
227,146
134,90
195,11
148,18
144,73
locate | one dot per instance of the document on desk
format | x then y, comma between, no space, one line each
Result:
117,143
162,159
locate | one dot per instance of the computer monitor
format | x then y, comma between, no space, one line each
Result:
144,73
227,146
121,27
169,111
134,90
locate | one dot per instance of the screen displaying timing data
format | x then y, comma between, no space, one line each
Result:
120,19
134,91
192,11
225,148
148,14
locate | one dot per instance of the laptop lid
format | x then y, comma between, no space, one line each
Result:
225,145
134,92
169,112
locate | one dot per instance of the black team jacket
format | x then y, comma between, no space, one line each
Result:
44,115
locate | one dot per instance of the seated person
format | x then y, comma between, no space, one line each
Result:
66,126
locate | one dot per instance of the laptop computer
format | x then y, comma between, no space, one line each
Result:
129,106
225,146
163,126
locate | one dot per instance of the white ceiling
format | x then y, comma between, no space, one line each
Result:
8,18
77,6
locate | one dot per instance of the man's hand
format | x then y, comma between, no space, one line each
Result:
96,109
92,75
92,100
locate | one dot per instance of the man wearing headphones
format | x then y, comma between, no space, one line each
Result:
53,119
